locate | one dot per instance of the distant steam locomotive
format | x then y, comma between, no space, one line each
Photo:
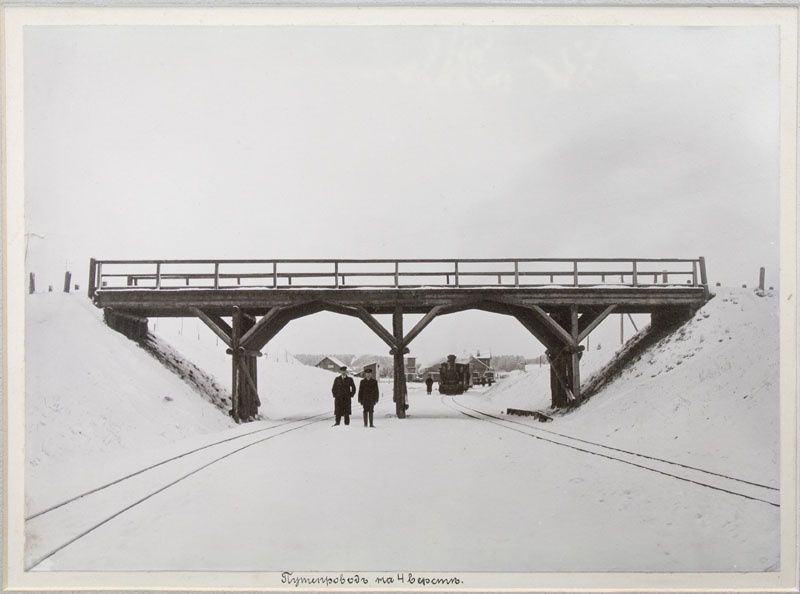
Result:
454,378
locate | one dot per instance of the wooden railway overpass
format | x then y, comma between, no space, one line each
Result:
559,301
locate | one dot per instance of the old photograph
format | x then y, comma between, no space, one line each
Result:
389,298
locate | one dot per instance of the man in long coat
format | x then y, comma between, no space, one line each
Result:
368,395
429,384
344,388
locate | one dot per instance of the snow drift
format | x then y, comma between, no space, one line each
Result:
706,395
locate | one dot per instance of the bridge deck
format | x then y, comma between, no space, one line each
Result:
156,288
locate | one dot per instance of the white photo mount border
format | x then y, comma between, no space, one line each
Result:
17,16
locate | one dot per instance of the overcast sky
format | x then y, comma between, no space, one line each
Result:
402,142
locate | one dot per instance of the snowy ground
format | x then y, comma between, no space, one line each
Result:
438,491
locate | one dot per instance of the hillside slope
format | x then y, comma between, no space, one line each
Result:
709,391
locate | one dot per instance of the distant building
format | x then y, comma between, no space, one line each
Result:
481,368
411,369
330,364
374,367
486,359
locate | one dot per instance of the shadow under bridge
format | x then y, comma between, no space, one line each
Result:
248,302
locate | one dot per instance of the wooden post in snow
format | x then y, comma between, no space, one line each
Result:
575,355
236,334
67,281
399,396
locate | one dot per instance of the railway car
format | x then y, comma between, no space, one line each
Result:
454,378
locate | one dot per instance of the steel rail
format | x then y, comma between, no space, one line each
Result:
141,500
503,423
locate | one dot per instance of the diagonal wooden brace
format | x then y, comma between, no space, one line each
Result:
554,326
217,325
420,326
595,322
262,324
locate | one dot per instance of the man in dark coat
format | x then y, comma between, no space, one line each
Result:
368,395
344,388
429,384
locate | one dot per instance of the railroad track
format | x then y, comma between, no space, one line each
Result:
58,526
705,478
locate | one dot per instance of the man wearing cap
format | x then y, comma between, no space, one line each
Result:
344,388
368,395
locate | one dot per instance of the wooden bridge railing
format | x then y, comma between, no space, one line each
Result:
333,274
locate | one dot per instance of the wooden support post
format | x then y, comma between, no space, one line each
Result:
92,277
32,283
703,276
575,371
236,333
559,390
761,274
399,396
564,356
247,388
68,281
253,362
